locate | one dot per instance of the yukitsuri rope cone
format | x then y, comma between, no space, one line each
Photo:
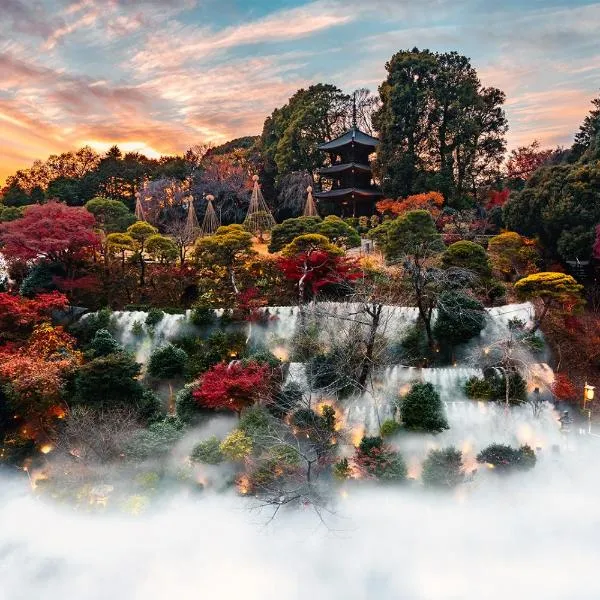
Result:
259,218
139,208
192,227
310,208
211,222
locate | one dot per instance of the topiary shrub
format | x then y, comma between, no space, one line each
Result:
203,316
167,362
237,445
505,458
374,459
104,344
422,409
208,452
467,255
286,232
442,468
459,318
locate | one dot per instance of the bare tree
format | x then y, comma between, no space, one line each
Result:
181,234
97,435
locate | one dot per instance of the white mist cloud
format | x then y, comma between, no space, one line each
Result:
528,536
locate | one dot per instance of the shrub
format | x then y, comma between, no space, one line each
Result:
422,410
342,470
155,441
254,421
467,255
505,458
237,445
154,317
375,459
203,316
85,329
442,468
186,406
208,452
388,428
286,232
167,362
104,344
459,319
478,388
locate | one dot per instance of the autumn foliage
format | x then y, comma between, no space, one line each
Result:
53,231
36,371
431,201
563,388
233,386
314,270
18,314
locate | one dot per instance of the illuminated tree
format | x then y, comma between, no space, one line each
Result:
312,262
563,388
552,289
233,386
513,255
429,201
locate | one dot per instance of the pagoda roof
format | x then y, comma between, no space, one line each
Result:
354,135
348,193
340,168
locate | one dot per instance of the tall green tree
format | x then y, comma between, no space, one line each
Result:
438,127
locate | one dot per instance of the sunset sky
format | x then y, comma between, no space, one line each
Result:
160,75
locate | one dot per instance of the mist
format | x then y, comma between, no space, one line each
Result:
526,535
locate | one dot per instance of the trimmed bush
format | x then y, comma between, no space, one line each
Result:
442,468
422,409
167,362
459,318
506,458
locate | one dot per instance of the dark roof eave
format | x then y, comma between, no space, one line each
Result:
349,192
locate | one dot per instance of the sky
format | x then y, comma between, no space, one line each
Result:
158,76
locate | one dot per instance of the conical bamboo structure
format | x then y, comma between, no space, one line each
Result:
192,227
139,208
259,218
310,208
211,222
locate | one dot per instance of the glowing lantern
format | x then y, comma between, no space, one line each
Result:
588,392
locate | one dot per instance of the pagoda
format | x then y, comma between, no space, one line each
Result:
349,178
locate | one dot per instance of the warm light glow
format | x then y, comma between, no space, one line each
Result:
281,353
46,448
356,435
589,392
243,484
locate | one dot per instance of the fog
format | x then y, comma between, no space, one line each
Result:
527,535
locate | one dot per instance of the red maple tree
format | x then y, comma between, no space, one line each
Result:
498,198
315,269
233,386
563,388
524,161
18,314
53,231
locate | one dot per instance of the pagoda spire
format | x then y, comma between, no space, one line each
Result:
310,208
354,111
259,218
211,222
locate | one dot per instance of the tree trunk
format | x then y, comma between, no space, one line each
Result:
538,321
368,358
233,283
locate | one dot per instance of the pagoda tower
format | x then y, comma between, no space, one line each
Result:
349,178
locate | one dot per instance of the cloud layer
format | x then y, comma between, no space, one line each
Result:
166,75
